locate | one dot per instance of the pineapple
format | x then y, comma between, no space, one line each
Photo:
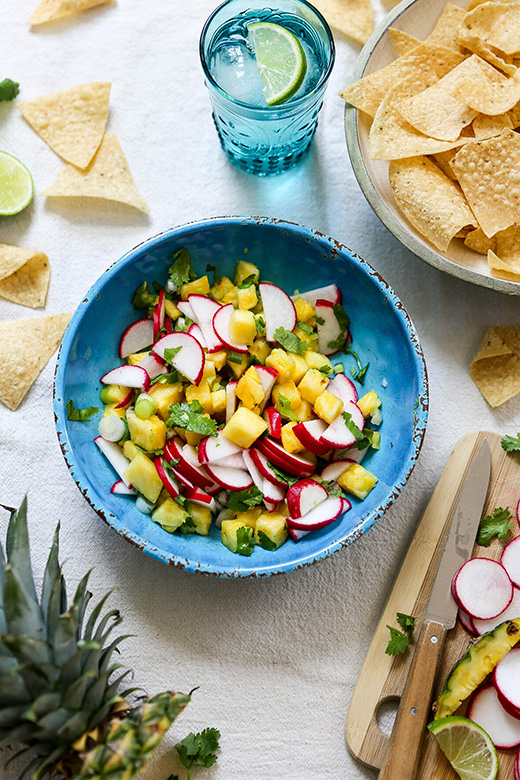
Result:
244,427
328,406
59,704
357,481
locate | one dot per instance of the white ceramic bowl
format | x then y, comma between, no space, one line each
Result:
418,18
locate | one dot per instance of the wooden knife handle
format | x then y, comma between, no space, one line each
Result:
404,750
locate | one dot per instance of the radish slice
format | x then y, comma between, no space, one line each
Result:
486,710
309,433
265,469
255,474
114,454
512,612
352,453
511,560
343,388
158,316
467,622
330,293
273,494
220,324
176,451
128,376
279,311
214,448
337,434
136,337
231,400
186,309
195,331
296,533
333,471
274,421
304,496
268,377
230,479
169,482
270,505
127,399
120,489
288,461
231,461
153,365
189,360
329,329
205,309
323,514
198,496
506,679
482,588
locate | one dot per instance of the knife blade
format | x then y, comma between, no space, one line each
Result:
404,750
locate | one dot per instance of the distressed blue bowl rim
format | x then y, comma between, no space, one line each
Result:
195,565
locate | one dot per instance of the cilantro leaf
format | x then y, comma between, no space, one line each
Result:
265,541
245,541
144,297
343,321
511,443
170,378
189,417
170,352
248,281
398,642
199,749
289,479
332,489
358,375
407,622
80,415
9,89
241,500
351,425
303,326
283,406
495,525
290,341
260,325
180,271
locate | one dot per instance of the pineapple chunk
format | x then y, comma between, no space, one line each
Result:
222,288
237,368
247,299
198,287
202,394
317,360
142,474
290,393
242,327
209,371
165,395
357,481
201,519
282,362
299,369
171,310
304,310
313,384
218,401
260,349
369,403
237,537
250,516
289,441
193,438
149,434
169,515
114,394
130,450
328,406
304,412
244,427
271,530
135,358
249,389
217,358
243,270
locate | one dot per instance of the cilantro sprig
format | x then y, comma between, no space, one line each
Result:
181,271
343,322
9,89
511,443
360,374
144,298
493,526
399,640
198,750
80,415
290,341
283,406
242,500
190,418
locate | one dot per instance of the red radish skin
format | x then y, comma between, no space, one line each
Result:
136,337
309,433
343,388
304,496
230,479
296,534
158,316
198,496
274,420
329,329
279,311
273,493
169,482
337,434
512,612
333,471
265,468
126,400
127,376
168,327
174,451
270,505
506,679
511,560
482,588
190,358
215,448
205,309
485,710
220,325
295,464
322,515
120,489
467,622
330,292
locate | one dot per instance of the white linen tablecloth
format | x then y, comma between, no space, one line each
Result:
276,659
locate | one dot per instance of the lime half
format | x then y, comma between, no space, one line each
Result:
467,747
280,59
16,185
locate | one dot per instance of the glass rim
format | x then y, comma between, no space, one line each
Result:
291,105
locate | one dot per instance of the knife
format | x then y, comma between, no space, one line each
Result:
404,749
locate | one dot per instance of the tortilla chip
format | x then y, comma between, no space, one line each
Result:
489,174
496,24
354,18
403,41
503,62
445,31
12,258
72,121
391,137
514,116
28,286
495,369
367,93
431,201
487,94
108,176
49,10
435,112
479,242
26,347
490,126
497,264
443,161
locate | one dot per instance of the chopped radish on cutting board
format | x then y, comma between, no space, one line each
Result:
482,588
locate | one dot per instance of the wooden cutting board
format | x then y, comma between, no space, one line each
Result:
382,677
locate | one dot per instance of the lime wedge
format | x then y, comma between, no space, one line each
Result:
467,747
16,185
281,61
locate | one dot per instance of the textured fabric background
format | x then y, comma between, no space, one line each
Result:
276,660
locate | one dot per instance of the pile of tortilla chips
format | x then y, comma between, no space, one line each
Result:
445,115
495,369
72,122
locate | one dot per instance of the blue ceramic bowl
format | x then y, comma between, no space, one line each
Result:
292,257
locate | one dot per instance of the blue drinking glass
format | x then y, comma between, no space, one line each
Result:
258,138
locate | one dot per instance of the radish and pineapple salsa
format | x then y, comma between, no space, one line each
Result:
228,408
